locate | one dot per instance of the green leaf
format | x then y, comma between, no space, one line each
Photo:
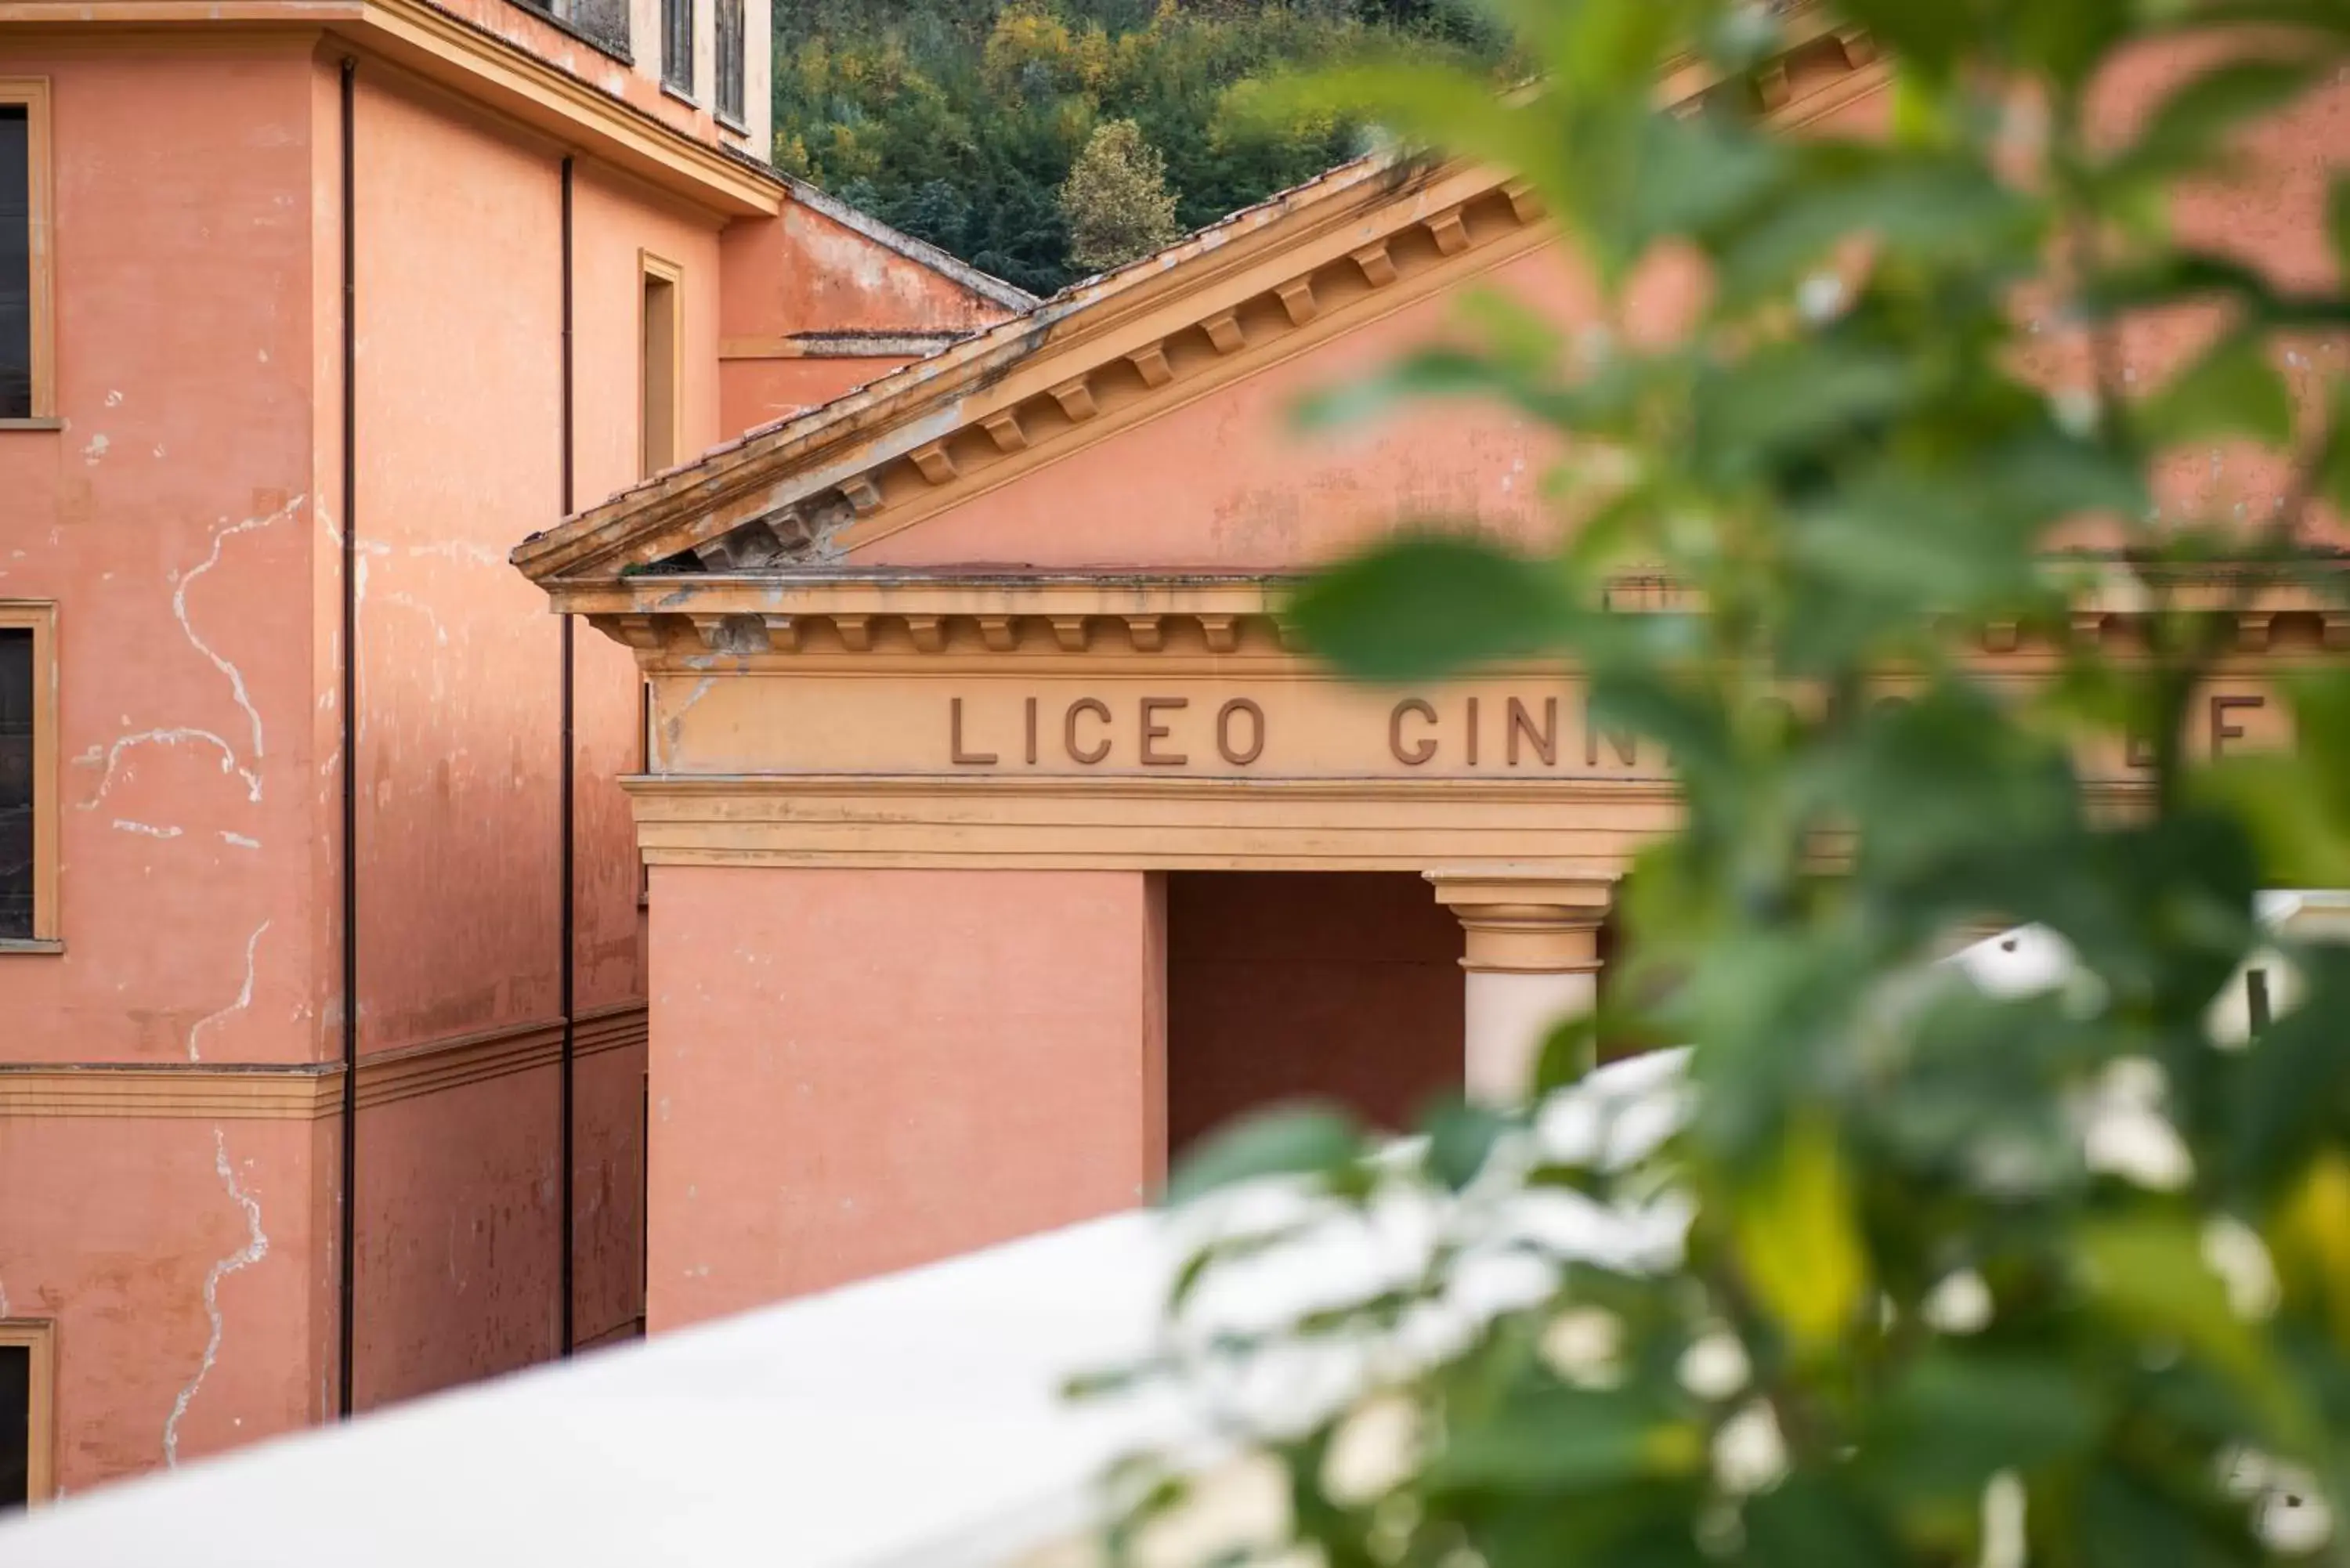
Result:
2284,803
1280,1142
2332,478
1798,1243
1461,1135
1811,1520
2231,390
2149,1275
1554,1438
1424,607
1958,1417
1929,37
2193,124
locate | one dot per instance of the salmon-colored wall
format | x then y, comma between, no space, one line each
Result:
857,1071
175,529
457,1262
1341,986
755,392
460,879
179,1260
460,388
804,271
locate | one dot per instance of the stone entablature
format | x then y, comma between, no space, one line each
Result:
1130,721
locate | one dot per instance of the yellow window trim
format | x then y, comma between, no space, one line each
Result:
39,1337
41,617
33,93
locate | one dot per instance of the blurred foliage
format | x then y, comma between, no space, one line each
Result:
959,120
2060,1277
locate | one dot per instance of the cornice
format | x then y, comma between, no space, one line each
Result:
449,49
1266,284
898,621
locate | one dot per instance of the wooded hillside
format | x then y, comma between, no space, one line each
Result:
961,120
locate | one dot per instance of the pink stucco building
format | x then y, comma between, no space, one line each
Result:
321,922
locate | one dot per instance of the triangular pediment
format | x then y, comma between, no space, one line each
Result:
1076,374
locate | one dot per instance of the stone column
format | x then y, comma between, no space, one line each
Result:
1532,958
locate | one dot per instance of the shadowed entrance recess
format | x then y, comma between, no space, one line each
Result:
1339,985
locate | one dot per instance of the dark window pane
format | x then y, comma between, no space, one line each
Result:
15,1425
604,19
730,58
15,263
677,44
15,782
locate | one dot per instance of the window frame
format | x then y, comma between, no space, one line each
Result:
38,1337
32,93
650,269
678,76
40,618
734,116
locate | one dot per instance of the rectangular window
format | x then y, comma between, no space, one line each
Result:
27,390
604,23
730,60
659,373
29,775
25,1477
677,45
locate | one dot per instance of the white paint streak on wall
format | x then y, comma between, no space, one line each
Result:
244,994
240,840
96,449
673,723
256,1247
180,610
128,827
112,757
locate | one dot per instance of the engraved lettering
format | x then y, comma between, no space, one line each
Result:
1153,732
1069,731
1032,732
1237,756
2222,730
2137,752
1472,732
954,741
1545,740
1422,749
1627,747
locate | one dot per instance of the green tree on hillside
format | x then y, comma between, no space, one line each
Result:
1115,198
961,120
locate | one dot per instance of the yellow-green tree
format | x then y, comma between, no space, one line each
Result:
1115,198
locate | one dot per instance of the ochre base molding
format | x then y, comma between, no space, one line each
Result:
304,1091
878,822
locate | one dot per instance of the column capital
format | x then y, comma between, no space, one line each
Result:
1528,918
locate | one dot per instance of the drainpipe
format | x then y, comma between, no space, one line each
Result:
567,788
346,1243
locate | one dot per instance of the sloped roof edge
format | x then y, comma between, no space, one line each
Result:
901,447
987,286
600,536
